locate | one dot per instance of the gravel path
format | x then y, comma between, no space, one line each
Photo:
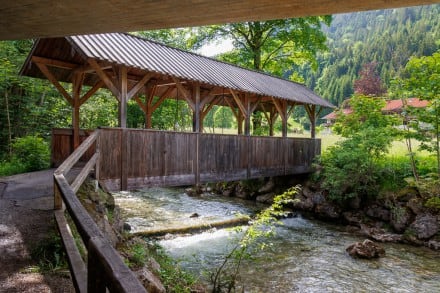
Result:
26,217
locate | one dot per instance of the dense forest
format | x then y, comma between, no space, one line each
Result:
387,37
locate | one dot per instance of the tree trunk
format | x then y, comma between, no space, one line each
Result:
8,119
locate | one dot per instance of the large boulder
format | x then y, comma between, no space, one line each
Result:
150,281
415,204
378,212
366,249
328,210
425,226
400,218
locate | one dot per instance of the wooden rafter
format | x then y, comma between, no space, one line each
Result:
185,93
105,78
138,86
45,70
239,103
280,106
99,84
54,63
213,102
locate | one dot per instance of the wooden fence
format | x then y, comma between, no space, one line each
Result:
136,158
104,269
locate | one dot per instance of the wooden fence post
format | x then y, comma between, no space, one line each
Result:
95,280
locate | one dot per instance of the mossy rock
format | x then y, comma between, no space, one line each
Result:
98,196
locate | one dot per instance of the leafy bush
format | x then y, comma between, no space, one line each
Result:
350,168
32,152
11,167
433,203
348,172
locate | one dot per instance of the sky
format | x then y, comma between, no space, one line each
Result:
215,48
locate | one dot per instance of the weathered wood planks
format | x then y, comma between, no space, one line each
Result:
136,158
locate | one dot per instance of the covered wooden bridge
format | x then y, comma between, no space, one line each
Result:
149,72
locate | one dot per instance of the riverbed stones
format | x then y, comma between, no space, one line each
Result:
366,249
425,226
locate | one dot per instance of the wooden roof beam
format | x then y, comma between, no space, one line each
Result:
55,82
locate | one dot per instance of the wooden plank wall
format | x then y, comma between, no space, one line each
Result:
62,145
136,158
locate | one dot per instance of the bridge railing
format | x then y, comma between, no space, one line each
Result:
137,158
104,268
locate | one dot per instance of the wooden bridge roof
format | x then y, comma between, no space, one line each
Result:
47,18
69,54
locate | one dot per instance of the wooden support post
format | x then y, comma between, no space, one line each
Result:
57,200
311,111
281,106
284,116
122,75
124,159
196,111
95,275
76,92
247,118
240,119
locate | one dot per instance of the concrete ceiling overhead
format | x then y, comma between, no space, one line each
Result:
21,19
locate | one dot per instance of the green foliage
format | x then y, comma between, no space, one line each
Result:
355,39
350,167
32,152
172,276
225,277
272,46
49,254
11,167
422,79
433,203
137,255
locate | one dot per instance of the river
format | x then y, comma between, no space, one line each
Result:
306,255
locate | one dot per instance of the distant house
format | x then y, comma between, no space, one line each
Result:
391,107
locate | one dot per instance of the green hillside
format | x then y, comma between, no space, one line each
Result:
388,37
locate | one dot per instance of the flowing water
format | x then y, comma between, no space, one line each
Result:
306,255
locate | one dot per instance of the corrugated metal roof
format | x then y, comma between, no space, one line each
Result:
132,51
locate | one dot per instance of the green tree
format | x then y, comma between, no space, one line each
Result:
350,167
422,79
272,46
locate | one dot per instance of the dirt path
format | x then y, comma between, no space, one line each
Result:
26,217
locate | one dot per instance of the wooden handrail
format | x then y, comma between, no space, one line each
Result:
105,268
65,167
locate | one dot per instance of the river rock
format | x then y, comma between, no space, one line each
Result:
353,218
355,203
150,281
268,187
387,237
318,198
400,218
328,210
425,226
303,203
378,212
434,244
415,204
366,249
265,198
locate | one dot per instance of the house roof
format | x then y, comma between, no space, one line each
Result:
397,105
391,106
142,55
